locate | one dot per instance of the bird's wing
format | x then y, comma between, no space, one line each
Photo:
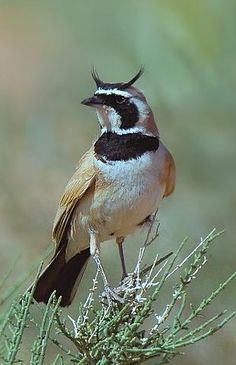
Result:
83,179
171,175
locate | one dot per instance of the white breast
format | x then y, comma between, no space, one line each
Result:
135,191
120,170
134,172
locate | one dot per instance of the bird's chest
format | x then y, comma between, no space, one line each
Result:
130,190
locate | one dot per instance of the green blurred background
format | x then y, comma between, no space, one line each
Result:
47,49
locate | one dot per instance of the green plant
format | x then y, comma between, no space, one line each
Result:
116,332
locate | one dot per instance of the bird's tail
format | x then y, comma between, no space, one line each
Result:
62,277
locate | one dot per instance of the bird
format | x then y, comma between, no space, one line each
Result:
118,185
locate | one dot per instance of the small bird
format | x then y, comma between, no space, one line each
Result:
118,185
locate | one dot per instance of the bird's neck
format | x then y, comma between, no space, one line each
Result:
147,127
150,125
123,147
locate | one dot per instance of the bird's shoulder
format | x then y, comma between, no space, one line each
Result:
81,181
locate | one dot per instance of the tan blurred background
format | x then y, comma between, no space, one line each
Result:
47,49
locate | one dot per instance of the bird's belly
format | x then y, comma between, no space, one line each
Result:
125,208
124,197
135,192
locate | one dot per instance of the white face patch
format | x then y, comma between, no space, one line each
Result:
142,107
113,91
114,118
110,119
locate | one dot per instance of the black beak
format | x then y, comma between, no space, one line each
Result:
93,101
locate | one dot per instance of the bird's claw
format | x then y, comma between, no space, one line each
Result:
111,295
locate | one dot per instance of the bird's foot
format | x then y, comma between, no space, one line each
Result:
112,295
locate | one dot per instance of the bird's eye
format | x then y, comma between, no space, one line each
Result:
121,100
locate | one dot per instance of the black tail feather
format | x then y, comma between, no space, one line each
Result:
62,277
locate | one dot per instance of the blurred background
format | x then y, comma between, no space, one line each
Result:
47,49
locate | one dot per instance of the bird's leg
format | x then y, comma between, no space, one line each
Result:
110,294
119,241
100,268
94,251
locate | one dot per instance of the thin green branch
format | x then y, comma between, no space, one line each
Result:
112,333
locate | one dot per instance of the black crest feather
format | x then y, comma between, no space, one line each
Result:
126,85
98,81
122,85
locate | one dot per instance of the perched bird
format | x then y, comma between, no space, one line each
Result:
117,186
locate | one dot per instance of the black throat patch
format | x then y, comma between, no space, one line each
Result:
114,147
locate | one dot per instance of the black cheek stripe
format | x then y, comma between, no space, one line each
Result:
127,110
129,115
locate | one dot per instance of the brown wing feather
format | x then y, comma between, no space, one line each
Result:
80,182
171,176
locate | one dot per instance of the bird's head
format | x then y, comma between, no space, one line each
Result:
121,107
